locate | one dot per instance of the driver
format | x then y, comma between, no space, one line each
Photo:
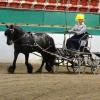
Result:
79,30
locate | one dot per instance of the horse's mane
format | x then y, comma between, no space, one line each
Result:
40,33
18,28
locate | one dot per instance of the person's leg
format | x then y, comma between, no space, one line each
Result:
68,43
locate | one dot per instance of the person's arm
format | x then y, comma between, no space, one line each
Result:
72,30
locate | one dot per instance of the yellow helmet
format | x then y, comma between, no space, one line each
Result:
80,16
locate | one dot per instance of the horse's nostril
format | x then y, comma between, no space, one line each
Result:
8,43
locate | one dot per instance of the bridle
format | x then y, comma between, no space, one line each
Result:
12,33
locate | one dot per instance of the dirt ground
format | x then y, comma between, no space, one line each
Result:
47,86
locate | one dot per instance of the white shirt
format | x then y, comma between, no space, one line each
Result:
79,28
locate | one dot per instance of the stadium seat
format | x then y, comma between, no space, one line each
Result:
26,5
40,1
51,5
73,2
61,7
94,6
39,4
73,5
83,5
72,8
29,0
15,4
83,2
63,1
83,9
94,3
94,10
52,1
3,3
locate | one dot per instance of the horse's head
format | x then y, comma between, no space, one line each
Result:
9,33
13,33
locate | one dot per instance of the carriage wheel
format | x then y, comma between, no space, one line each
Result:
69,68
93,63
94,66
76,68
78,64
93,70
73,68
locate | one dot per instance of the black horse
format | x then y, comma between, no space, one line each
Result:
26,42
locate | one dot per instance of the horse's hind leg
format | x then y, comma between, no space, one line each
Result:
40,69
29,66
12,68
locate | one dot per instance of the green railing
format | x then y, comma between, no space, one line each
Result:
46,21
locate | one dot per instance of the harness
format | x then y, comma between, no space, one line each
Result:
35,43
20,38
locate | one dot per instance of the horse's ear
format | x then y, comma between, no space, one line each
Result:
7,26
11,26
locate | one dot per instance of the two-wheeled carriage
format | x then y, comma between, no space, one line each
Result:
74,60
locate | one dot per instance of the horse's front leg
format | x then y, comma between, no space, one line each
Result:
12,68
29,66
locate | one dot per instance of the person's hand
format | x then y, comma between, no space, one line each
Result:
66,31
69,31
73,32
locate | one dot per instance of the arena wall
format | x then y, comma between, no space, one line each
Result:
44,21
6,52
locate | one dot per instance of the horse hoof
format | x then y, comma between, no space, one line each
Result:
10,70
49,69
30,69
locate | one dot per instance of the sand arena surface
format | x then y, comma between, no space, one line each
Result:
47,86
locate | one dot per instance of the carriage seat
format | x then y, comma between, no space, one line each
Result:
83,42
